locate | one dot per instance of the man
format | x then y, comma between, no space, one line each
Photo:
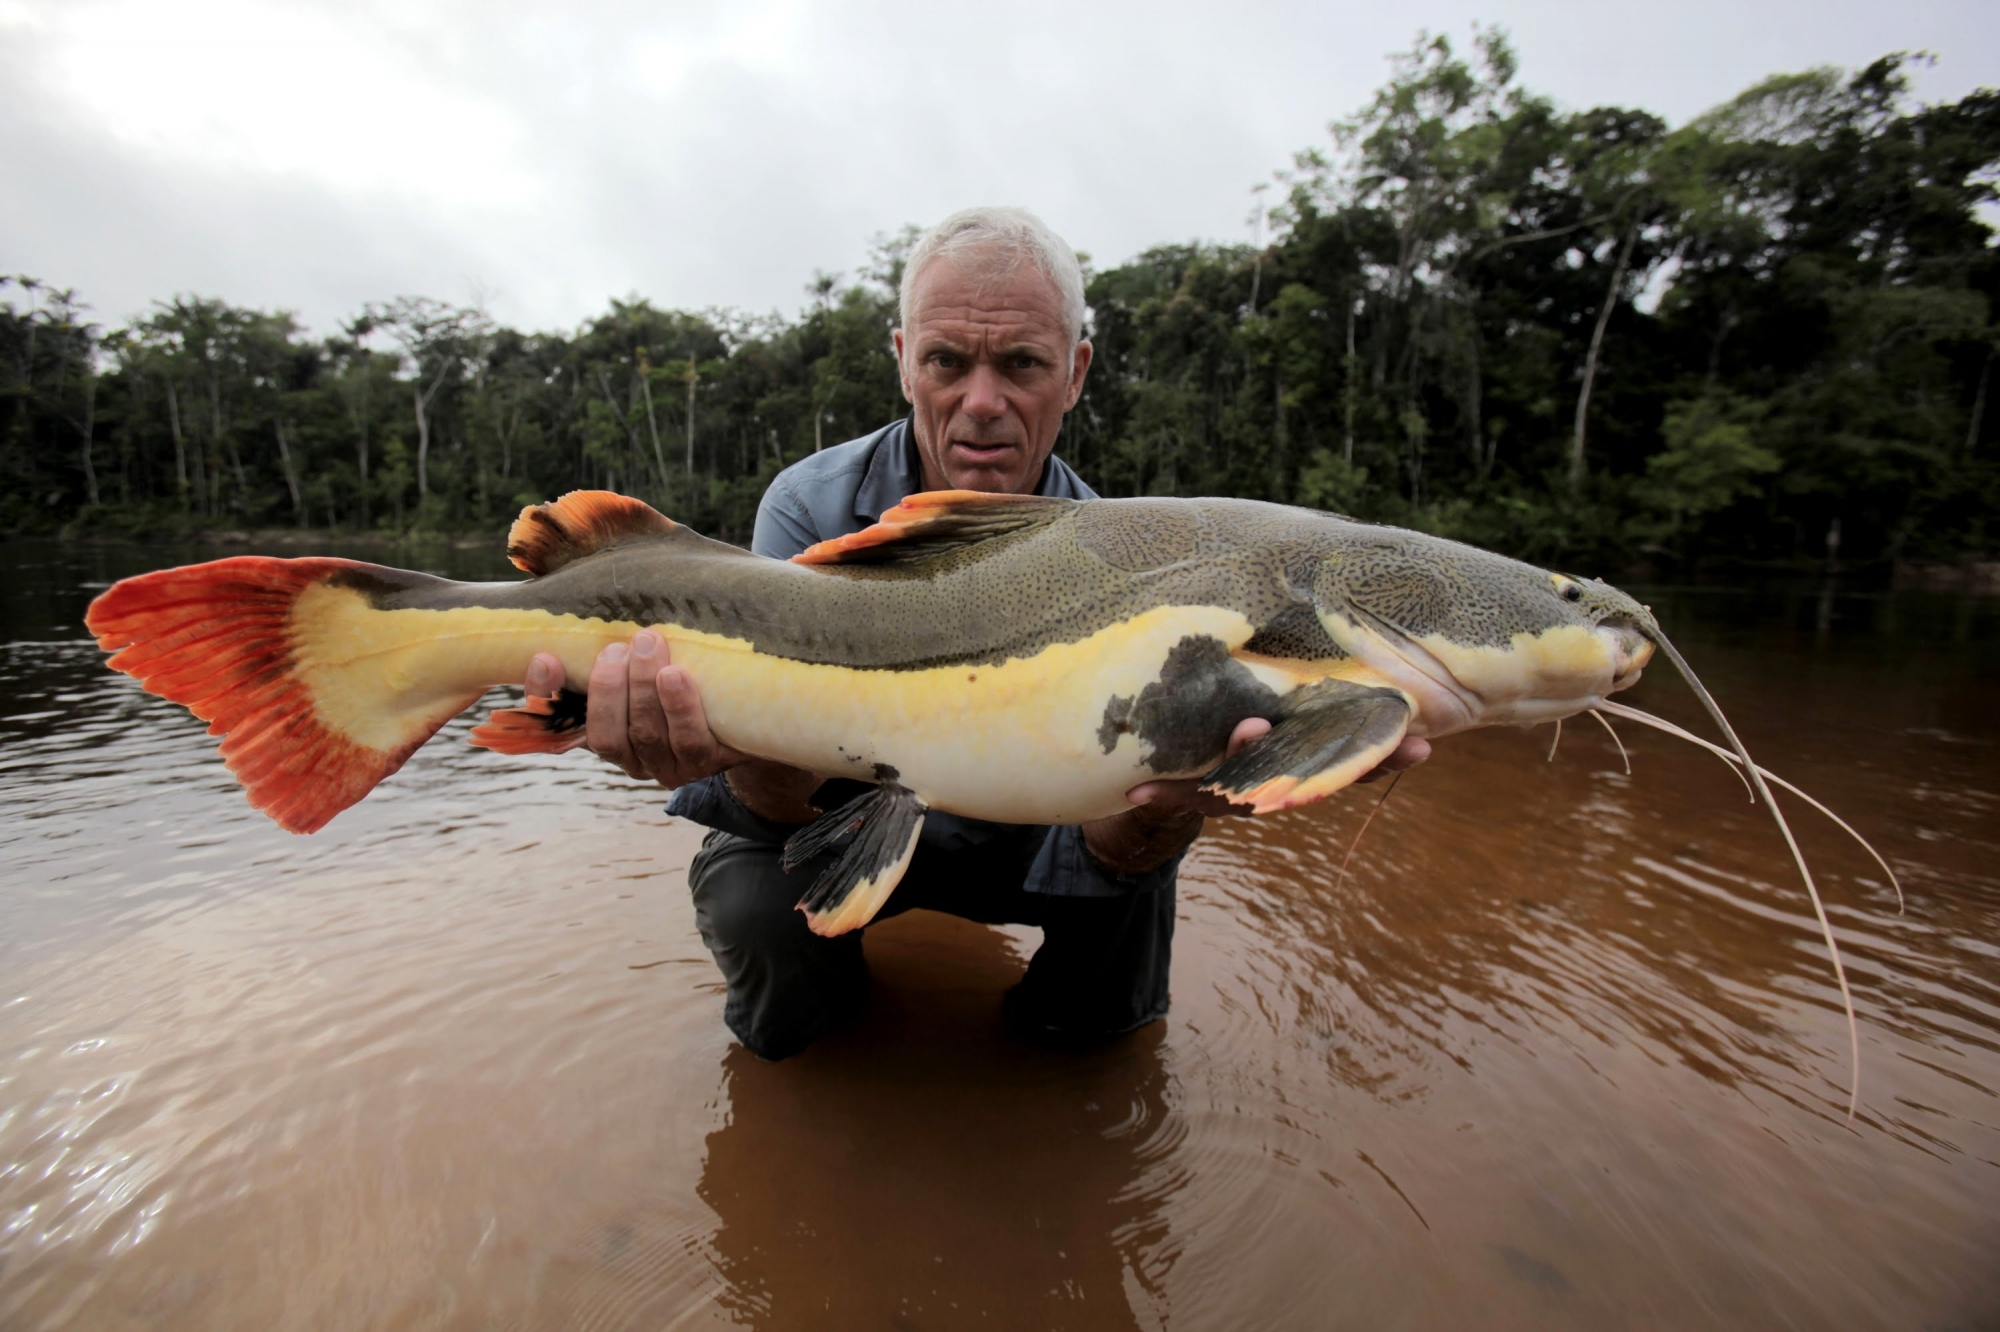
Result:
992,355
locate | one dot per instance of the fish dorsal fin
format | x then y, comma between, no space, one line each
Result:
935,522
547,536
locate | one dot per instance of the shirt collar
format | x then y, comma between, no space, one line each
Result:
895,472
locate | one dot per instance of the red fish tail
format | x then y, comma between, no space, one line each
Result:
225,640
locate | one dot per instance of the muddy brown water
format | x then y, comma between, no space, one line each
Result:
1561,1050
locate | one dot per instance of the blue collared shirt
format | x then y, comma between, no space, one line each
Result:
842,490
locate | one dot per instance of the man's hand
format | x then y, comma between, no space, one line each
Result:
1167,815
645,718
1186,796
645,715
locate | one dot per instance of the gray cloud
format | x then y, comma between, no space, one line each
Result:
550,158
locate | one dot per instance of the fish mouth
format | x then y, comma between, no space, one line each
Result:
1632,652
1448,703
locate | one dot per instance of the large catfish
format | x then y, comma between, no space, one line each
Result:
1013,658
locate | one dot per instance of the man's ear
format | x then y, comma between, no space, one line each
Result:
1079,366
902,366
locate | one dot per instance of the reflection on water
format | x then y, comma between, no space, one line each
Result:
1562,1049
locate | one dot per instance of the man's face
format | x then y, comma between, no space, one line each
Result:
986,365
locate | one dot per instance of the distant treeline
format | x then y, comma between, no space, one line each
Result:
1580,336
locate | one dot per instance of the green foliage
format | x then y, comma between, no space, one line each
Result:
1711,458
1580,337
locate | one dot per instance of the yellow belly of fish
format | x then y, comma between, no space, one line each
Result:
1017,742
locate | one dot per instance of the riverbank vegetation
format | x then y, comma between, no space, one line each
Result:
1766,335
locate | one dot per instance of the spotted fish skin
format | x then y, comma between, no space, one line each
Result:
1020,659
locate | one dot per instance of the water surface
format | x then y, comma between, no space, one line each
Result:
1562,1048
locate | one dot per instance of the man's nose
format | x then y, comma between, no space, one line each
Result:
984,400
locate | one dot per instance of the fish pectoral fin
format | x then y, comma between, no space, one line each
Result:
538,726
874,834
934,523
1328,734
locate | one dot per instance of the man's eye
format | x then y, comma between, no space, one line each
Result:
1025,362
944,360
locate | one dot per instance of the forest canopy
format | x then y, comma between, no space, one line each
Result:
1569,335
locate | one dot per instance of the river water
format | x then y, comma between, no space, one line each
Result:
1561,1050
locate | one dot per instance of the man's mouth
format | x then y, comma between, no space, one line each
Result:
981,453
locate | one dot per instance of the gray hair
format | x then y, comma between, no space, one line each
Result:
1007,235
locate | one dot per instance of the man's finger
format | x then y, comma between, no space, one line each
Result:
545,675
1247,730
700,753
1183,795
1412,751
647,727
604,717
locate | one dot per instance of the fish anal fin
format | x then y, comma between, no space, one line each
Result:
547,536
1326,736
538,726
935,522
875,834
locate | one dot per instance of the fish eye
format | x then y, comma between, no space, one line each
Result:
1569,589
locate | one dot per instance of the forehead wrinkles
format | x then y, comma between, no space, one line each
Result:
1016,293
1006,326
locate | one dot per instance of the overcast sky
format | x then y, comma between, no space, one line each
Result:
544,158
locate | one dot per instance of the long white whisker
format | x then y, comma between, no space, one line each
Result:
1615,740
1557,740
1386,793
1662,724
1756,775
1730,760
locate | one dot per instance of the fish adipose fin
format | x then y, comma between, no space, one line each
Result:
1326,736
875,835
935,522
547,536
230,641
538,726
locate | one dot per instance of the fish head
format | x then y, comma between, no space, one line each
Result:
1475,638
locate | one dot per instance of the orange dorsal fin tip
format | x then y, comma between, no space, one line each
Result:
935,522
547,536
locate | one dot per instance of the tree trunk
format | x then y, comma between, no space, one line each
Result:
423,446
1278,417
89,428
1596,346
361,442
1348,390
291,475
692,376
1475,425
200,480
512,428
631,434
1978,408
180,444
423,399
653,428
1722,328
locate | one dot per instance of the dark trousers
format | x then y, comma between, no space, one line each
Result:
1101,970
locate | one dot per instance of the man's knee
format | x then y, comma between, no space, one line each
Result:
1102,969
743,898
787,986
